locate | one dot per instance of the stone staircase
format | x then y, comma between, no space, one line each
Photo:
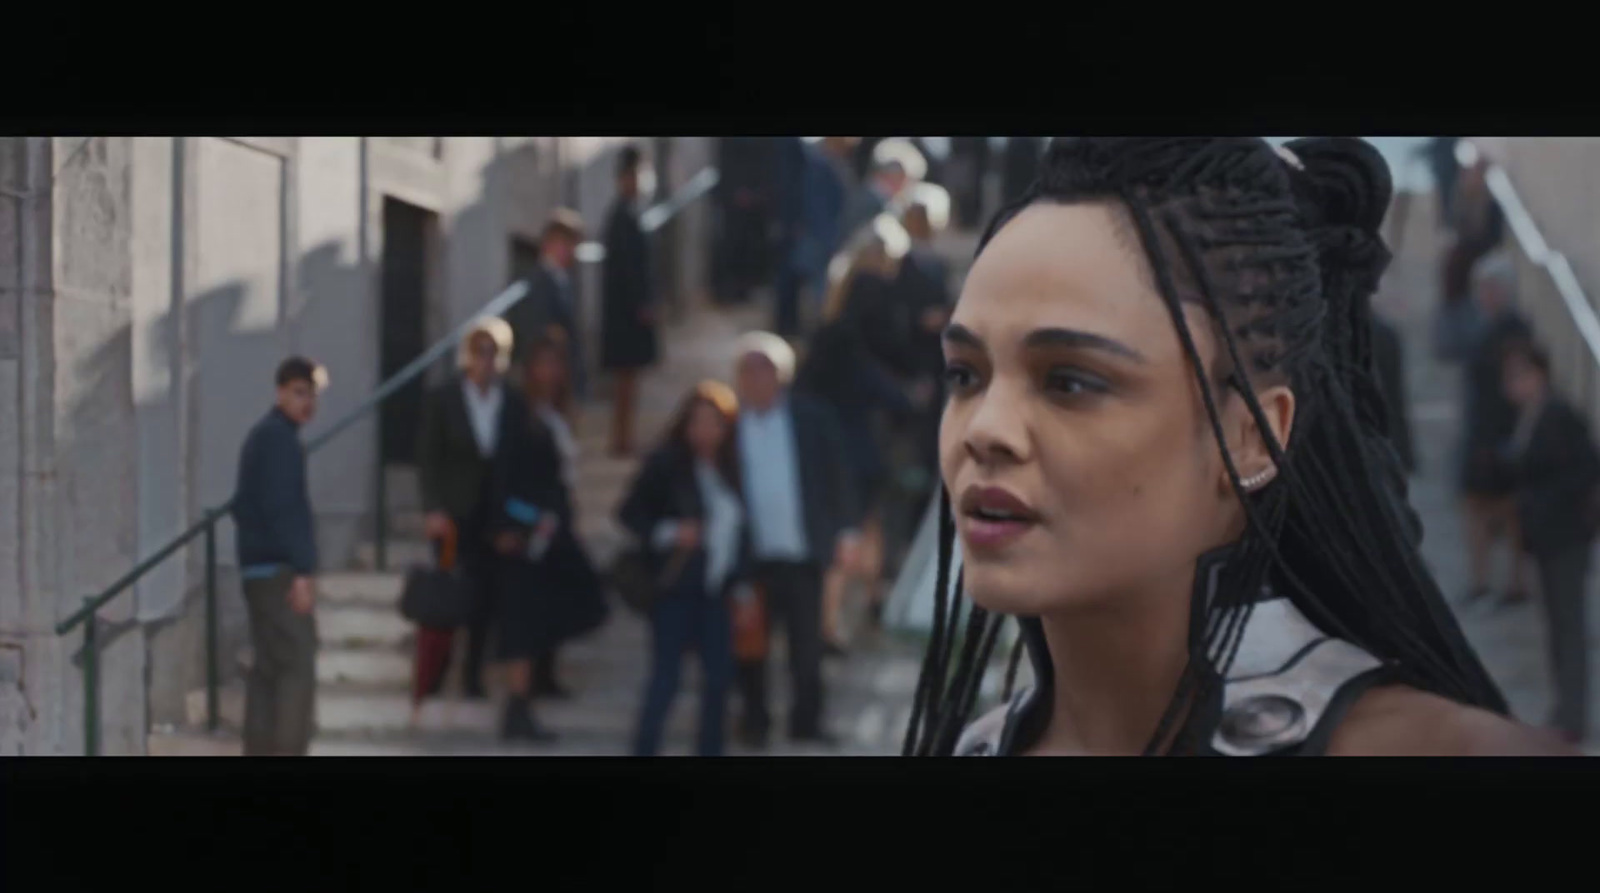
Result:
364,663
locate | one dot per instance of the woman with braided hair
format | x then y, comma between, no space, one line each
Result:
1165,456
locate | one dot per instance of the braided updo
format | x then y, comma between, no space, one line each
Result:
1282,250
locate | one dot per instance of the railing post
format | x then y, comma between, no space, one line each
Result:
380,536
91,685
213,691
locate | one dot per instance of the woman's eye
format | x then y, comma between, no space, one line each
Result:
959,377
1072,381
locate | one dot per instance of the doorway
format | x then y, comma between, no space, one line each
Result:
403,317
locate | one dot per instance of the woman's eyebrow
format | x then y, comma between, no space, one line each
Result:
956,333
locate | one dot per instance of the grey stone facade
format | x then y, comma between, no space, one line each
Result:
148,287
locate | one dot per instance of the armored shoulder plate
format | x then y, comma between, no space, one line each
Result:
1288,681
985,736
1283,682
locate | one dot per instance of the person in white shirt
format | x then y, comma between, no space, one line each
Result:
686,506
805,515
463,425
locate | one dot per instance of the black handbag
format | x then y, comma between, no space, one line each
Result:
437,597
637,583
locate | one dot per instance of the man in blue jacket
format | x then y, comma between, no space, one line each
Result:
277,559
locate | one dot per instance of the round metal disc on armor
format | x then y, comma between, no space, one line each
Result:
1263,721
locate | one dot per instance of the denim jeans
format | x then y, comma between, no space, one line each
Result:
680,621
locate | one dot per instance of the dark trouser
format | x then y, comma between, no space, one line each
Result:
678,623
481,568
794,593
742,252
786,321
1562,575
280,698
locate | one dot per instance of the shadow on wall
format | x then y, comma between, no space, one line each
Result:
190,432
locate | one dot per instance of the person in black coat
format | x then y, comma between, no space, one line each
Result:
1488,419
1557,473
842,369
1019,166
530,515
552,300
465,425
575,592
685,506
804,518
745,199
627,301
969,163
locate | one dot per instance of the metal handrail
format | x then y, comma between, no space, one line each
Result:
1537,249
650,220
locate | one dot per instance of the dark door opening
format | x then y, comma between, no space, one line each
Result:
404,313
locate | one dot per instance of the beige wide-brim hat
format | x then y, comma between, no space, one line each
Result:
499,331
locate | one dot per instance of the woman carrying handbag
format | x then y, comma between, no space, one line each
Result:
685,507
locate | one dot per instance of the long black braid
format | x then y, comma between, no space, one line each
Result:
1284,256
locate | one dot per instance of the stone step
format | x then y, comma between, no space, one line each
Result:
370,588
402,553
346,709
376,667
350,626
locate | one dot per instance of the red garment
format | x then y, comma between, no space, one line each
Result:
433,645
433,656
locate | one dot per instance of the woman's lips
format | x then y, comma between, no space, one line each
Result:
985,535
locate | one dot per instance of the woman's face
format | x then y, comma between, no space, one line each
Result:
546,371
707,429
1074,412
481,355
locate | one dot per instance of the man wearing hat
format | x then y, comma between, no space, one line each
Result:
552,300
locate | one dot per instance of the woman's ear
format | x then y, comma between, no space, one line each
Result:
1251,454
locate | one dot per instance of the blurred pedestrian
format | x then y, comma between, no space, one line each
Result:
1479,227
802,511
744,201
530,522
1557,473
1488,420
896,165
575,589
969,163
277,544
1446,170
629,309
552,299
464,428
685,505
843,371
923,286
822,173
1019,166
1388,355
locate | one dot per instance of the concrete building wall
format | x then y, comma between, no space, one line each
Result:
147,292
69,479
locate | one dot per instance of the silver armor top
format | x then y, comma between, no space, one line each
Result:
1288,686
